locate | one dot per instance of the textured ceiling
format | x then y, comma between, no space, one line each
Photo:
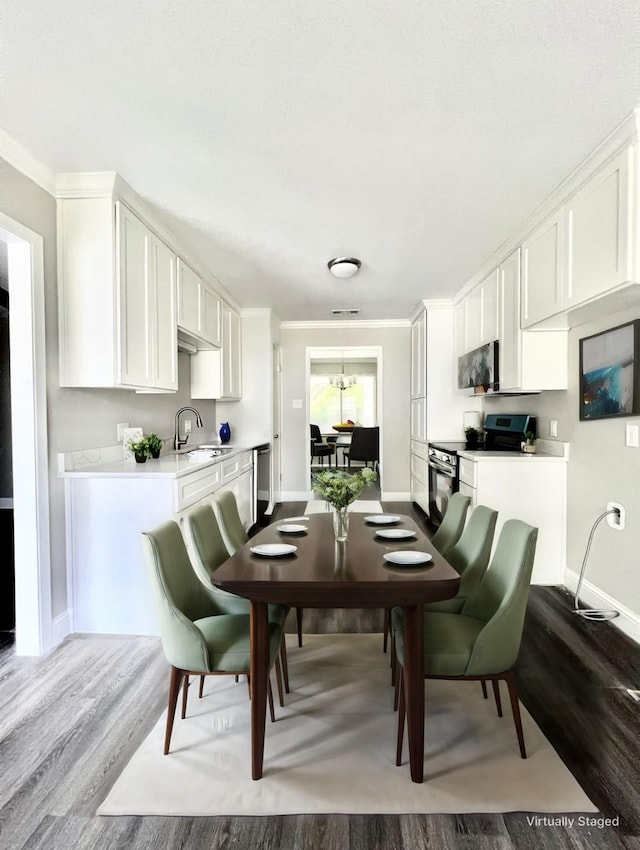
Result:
277,135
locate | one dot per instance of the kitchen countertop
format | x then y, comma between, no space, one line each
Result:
510,456
100,463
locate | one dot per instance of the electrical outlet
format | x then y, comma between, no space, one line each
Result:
297,404
613,520
119,429
553,428
187,426
631,435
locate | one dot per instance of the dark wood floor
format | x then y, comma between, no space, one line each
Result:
70,722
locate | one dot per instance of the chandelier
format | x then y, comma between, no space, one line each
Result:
342,381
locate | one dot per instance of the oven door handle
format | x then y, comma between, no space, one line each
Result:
446,469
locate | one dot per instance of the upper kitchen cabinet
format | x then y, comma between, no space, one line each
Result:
476,316
599,221
529,360
419,356
542,271
199,308
217,374
117,298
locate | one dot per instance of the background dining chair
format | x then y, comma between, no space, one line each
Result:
234,534
196,638
365,446
453,521
482,641
207,552
319,447
444,539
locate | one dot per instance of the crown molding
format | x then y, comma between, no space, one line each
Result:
26,163
350,324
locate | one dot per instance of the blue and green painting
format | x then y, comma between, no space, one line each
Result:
608,391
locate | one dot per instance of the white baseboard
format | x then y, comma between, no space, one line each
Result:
60,628
296,496
628,621
399,496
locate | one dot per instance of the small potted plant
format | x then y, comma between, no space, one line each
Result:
529,445
140,449
472,436
155,445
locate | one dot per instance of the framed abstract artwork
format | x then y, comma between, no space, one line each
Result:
609,374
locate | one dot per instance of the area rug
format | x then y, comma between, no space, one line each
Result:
361,506
332,749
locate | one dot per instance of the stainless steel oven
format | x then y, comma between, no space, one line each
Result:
443,480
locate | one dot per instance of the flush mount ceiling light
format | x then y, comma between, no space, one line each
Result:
344,266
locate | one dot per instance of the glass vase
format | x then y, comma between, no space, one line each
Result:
341,524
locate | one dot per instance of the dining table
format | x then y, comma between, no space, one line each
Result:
322,573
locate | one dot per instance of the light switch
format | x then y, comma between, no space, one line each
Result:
553,428
632,437
297,404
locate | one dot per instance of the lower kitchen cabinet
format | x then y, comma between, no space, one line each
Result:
530,488
419,475
106,516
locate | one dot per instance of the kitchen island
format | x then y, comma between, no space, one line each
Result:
109,502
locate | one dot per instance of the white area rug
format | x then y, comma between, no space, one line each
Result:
332,749
361,506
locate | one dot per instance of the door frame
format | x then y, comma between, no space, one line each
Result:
30,454
364,350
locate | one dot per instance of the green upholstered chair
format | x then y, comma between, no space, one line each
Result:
234,535
469,557
233,531
452,524
207,551
482,641
197,637
444,539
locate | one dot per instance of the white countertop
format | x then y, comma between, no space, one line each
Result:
169,465
538,457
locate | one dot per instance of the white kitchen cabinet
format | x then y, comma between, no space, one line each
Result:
460,329
199,308
106,515
529,360
117,300
419,476
473,319
217,374
477,319
543,271
599,232
419,419
489,290
527,487
419,356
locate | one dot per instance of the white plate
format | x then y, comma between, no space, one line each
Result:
395,533
273,550
292,529
408,559
382,519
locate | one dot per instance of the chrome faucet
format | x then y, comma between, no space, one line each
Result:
177,442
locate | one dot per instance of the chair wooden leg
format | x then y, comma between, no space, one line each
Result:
299,619
393,663
270,698
401,716
285,663
201,688
249,684
279,682
175,681
386,628
237,678
510,679
185,694
496,694
484,689
397,686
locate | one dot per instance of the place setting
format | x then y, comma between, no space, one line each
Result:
408,558
273,550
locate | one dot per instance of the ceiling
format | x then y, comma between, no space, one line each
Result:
277,135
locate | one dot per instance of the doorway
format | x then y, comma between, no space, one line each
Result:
29,456
343,383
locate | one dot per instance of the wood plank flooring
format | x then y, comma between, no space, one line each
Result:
69,722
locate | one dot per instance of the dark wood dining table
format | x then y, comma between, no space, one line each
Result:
325,574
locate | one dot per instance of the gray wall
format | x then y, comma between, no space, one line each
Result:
395,390
79,419
601,469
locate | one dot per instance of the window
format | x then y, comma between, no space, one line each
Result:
329,406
